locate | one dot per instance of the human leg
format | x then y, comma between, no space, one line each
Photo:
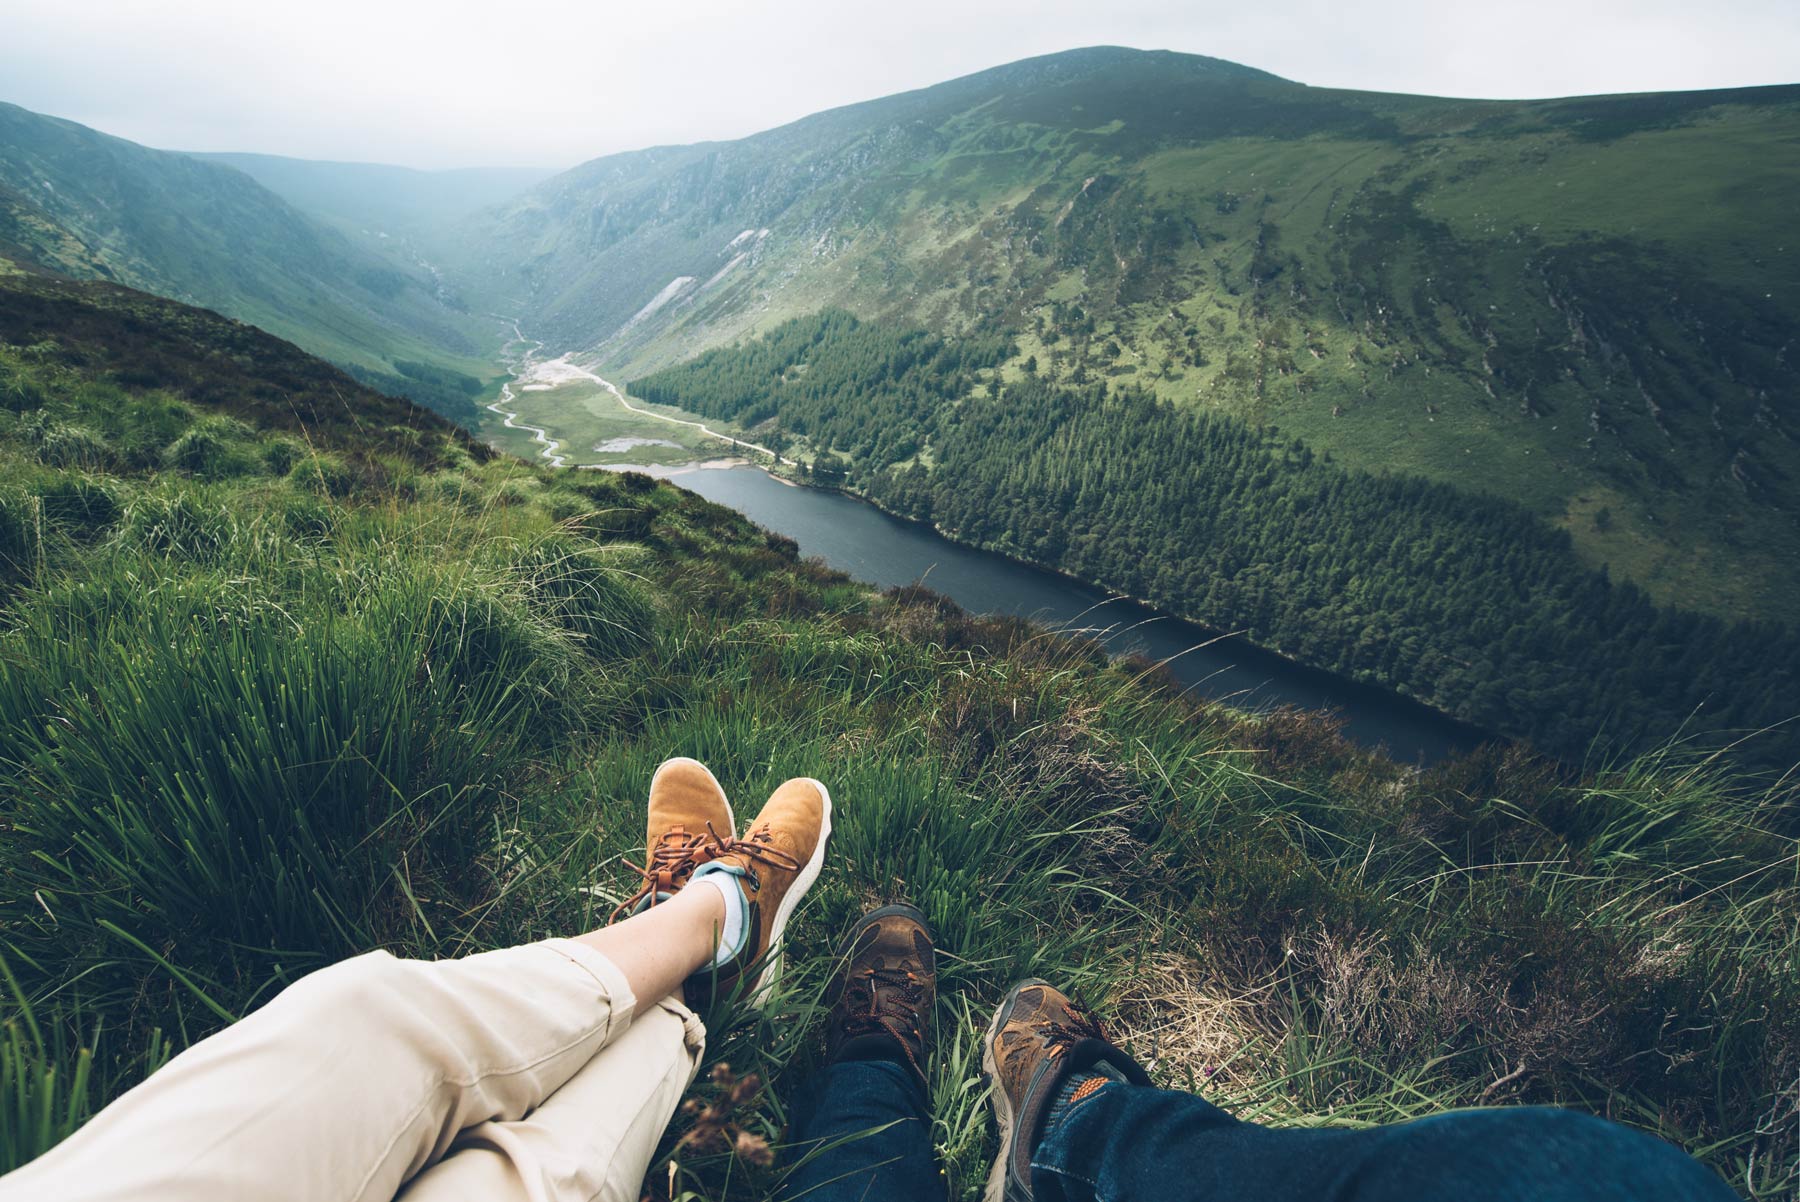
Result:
862,1133
348,1083
862,1126
1080,1121
593,1139
358,1076
1125,1140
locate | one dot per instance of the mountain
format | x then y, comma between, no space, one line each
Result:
1580,305
290,671
88,205
375,199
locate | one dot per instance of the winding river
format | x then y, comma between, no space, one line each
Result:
869,545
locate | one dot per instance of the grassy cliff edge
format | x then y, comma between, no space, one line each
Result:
274,691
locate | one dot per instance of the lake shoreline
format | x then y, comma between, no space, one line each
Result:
1471,735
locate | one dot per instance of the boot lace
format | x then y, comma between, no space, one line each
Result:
1060,1035
759,848
672,861
875,998
679,852
885,1001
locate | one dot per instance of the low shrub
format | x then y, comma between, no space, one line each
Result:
71,446
215,770
307,516
280,454
326,474
214,449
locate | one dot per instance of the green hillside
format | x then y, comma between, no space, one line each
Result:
289,670
374,199
1469,602
1580,305
91,206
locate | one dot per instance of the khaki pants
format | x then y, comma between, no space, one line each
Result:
518,1074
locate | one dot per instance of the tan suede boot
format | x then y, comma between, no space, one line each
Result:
775,863
690,823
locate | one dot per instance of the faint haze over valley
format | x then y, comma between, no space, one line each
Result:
548,83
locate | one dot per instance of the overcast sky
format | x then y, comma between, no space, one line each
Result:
451,83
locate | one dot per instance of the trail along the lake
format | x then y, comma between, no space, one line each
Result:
552,372
704,429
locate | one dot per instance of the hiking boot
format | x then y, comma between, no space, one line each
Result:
690,820
885,991
775,863
1039,1039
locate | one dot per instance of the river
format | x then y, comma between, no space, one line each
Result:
869,545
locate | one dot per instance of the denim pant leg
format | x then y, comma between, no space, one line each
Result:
862,1133
1126,1141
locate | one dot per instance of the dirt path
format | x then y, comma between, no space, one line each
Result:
676,421
525,371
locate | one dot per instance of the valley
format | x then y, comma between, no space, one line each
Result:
1575,305
1169,324
851,535
1314,570
595,425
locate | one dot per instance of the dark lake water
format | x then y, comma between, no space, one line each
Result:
871,546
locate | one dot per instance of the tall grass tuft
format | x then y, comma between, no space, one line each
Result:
44,1090
255,780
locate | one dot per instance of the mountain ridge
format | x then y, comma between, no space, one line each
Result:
1558,301
89,205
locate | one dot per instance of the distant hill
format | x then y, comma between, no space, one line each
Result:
1582,305
376,198
84,204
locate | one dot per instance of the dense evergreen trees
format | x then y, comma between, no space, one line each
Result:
869,391
1466,601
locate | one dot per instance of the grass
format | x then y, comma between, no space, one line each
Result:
274,704
583,416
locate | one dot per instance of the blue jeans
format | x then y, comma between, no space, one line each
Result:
879,1120
1128,1142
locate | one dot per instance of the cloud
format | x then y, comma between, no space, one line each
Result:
552,82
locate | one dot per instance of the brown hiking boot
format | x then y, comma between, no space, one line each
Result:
1038,1038
885,991
775,863
690,820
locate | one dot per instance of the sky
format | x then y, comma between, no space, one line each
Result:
549,83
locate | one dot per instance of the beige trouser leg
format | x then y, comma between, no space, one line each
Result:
360,1077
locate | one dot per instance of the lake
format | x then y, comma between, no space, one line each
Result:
871,546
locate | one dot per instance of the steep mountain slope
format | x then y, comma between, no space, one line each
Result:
1467,601
1582,305
85,204
146,342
